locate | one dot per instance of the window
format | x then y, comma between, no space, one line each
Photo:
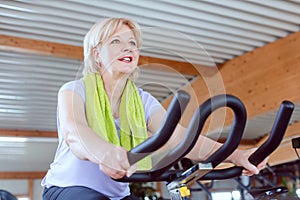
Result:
234,195
23,198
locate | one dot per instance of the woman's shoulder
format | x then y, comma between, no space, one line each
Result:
147,98
72,85
151,104
76,86
144,94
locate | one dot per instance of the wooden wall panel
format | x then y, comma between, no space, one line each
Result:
262,79
22,175
27,133
285,152
17,44
266,76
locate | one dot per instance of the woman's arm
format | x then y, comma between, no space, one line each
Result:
205,146
84,142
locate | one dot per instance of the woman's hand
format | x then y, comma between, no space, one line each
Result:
115,163
240,158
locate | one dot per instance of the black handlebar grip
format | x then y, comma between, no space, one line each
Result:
173,115
151,177
276,135
223,174
196,125
235,133
280,124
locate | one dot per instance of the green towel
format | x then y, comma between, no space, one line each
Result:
133,128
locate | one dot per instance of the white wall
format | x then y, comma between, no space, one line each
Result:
37,190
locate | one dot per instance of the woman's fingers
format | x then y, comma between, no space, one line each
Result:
112,172
115,163
247,173
241,158
131,170
251,169
263,164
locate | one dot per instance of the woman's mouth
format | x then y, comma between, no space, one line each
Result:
126,59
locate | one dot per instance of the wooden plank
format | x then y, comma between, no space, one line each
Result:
285,152
244,142
266,76
22,175
262,79
169,65
17,44
30,189
27,133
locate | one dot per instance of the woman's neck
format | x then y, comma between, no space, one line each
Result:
114,89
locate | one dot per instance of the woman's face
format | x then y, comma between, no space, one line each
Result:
119,54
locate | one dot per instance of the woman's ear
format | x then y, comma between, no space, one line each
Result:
97,57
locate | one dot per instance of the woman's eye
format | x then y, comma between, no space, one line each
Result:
115,41
133,43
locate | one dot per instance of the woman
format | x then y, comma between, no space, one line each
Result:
103,115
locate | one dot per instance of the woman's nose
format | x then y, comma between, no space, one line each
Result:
127,48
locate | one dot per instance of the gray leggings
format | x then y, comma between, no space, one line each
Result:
74,193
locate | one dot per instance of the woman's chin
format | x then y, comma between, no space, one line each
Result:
125,73
128,69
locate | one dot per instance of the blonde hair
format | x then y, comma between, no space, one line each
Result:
101,31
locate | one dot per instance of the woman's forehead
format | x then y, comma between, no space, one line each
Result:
123,31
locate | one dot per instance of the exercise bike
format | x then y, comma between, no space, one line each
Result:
179,181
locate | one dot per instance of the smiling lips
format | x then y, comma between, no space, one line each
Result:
126,59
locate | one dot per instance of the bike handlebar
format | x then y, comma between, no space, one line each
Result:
173,115
276,135
196,125
158,173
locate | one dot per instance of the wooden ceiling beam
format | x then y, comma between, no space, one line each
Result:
262,79
285,152
265,77
22,175
27,133
38,47
18,44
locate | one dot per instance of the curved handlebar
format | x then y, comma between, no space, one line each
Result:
276,135
158,173
196,125
235,134
165,131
